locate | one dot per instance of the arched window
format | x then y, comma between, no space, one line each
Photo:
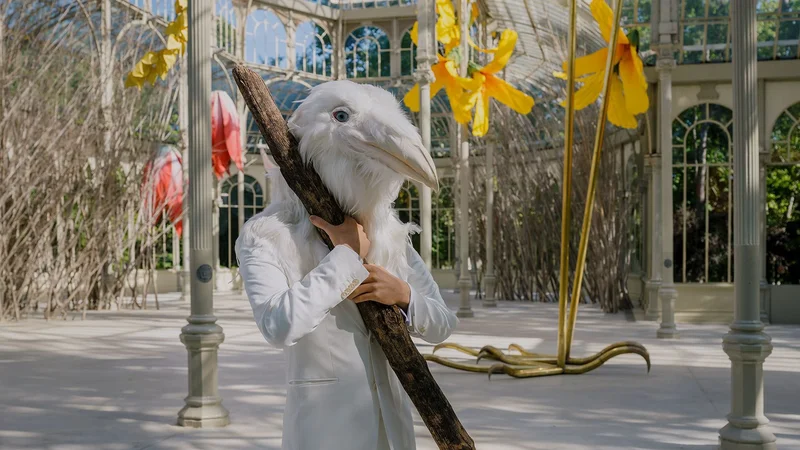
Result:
265,39
367,53
314,49
225,20
408,55
442,220
783,196
229,214
702,195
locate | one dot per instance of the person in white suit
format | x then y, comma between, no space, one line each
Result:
341,392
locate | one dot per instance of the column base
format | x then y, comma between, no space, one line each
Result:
759,438
464,309
203,408
651,288
489,301
213,415
667,295
668,333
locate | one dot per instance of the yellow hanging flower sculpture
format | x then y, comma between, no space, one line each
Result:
491,86
158,64
628,90
466,94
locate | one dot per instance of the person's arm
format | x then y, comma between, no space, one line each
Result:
430,317
284,313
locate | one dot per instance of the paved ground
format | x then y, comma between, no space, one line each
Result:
117,380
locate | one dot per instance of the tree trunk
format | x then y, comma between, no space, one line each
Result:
385,323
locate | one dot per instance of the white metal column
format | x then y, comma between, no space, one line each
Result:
426,57
746,344
202,336
667,293
464,280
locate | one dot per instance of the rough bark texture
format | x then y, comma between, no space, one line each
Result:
385,323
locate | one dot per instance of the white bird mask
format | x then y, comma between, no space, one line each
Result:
364,147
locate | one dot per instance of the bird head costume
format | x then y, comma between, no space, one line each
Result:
363,146
341,392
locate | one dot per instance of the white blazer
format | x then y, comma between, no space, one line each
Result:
341,393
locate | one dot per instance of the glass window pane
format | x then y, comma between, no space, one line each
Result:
780,131
718,198
791,6
694,9
693,35
678,132
694,213
678,175
719,113
767,6
718,8
645,8
693,115
786,52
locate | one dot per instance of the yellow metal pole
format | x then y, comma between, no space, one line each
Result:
587,211
566,188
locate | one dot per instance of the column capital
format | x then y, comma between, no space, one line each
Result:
763,155
424,74
665,64
652,161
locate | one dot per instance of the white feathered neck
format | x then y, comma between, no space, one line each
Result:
367,199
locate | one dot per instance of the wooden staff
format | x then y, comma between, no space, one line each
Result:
385,322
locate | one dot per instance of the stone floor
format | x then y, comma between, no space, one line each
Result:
117,379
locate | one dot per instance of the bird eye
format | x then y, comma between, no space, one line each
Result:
341,116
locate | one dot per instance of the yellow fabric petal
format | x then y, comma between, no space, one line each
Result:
151,77
180,6
605,16
150,58
634,85
452,87
139,70
173,44
469,99
179,23
411,99
595,62
447,31
589,92
508,95
414,32
466,83
618,114
508,39
131,81
480,123
563,76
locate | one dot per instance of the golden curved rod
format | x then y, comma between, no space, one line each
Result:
496,354
458,365
626,344
589,206
528,371
566,185
460,348
542,369
583,360
583,368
